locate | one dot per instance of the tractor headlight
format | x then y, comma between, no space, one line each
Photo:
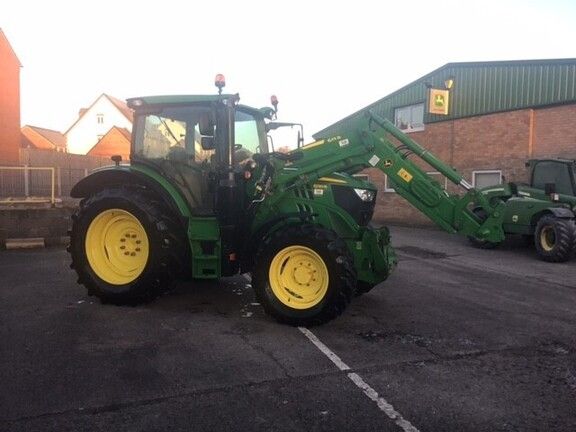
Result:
365,195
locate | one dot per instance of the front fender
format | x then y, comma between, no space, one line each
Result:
561,212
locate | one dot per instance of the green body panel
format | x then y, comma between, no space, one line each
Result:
201,230
314,202
523,209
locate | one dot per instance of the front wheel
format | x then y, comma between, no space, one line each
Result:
555,238
304,275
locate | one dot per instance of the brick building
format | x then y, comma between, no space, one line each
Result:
496,116
9,103
38,138
115,142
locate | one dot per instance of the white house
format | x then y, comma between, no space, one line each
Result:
95,121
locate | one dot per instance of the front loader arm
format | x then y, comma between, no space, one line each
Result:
368,145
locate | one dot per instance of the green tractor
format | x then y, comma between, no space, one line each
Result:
205,196
543,211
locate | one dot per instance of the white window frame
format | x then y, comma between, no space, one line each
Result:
386,187
433,173
499,172
362,176
410,129
100,118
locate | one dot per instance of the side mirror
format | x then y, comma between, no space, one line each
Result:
207,143
549,188
206,125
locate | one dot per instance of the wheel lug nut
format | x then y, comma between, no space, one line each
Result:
133,235
138,241
133,254
126,253
122,240
127,236
122,247
137,249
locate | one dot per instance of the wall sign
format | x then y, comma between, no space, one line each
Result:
439,100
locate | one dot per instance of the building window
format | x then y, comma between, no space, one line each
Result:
482,179
410,118
100,118
100,137
442,181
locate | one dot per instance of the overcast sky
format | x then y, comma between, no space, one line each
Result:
323,59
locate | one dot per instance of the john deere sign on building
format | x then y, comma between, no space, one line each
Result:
438,101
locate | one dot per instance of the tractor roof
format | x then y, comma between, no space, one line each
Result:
188,99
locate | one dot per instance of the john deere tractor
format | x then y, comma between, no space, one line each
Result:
204,196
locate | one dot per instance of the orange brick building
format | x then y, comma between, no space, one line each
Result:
9,103
115,142
499,115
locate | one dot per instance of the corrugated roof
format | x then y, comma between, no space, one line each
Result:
481,88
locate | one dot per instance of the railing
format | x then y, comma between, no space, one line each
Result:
24,184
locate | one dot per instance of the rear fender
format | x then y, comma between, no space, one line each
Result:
122,176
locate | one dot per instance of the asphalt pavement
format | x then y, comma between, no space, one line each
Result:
458,339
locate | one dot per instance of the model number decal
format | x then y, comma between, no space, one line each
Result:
343,142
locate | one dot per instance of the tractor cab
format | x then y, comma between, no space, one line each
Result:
553,175
197,142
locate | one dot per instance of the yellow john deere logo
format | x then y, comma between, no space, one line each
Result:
439,101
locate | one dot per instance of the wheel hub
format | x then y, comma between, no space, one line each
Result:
298,277
117,246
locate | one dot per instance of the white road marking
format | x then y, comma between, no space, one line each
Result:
372,394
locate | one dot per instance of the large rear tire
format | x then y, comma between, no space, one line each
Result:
125,246
304,275
555,238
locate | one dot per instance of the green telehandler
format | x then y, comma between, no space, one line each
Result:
204,197
542,211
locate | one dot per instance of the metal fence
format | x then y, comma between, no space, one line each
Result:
45,176
22,184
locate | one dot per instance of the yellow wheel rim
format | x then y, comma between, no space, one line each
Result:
547,238
298,277
117,246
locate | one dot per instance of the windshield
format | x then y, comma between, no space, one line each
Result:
246,132
176,133
173,132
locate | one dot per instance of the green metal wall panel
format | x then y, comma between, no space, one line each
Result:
481,88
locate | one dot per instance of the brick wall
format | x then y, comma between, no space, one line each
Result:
490,142
9,104
555,132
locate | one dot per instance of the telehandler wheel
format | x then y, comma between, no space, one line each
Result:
125,247
303,275
554,238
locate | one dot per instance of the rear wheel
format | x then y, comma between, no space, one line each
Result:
555,238
125,247
304,276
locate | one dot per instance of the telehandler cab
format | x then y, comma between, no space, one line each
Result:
205,197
